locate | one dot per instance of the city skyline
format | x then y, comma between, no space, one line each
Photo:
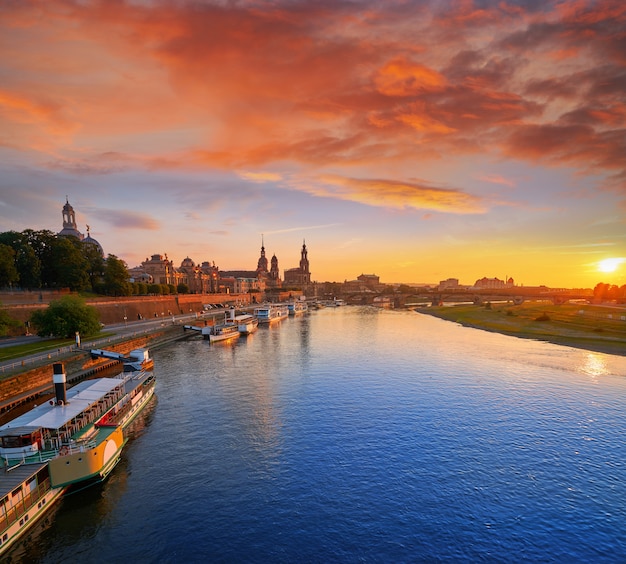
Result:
415,140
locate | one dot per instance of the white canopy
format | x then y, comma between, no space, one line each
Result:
79,399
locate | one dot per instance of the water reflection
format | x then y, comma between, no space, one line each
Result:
594,364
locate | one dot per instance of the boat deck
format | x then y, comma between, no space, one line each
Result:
11,479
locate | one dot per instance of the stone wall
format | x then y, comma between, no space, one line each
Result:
113,310
14,390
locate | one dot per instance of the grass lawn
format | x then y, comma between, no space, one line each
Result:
41,346
596,328
17,351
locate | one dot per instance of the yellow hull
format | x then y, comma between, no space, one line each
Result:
90,463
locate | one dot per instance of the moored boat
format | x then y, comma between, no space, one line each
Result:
297,307
270,313
27,495
246,323
74,439
224,332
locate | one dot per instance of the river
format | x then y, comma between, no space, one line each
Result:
356,434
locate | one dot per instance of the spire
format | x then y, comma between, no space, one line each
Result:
262,263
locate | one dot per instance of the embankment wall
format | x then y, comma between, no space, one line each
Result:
113,310
16,389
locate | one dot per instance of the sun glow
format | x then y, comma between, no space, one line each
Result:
610,264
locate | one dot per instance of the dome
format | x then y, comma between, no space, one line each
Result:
187,263
89,240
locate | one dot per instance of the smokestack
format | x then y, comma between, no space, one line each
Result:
59,380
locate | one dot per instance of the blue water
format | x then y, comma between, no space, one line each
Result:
360,435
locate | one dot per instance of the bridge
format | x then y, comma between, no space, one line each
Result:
517,295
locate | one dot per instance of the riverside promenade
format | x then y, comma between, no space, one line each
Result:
28,377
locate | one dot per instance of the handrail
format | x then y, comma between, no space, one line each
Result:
67,349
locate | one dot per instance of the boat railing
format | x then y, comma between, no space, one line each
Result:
12,514
111,419
34,458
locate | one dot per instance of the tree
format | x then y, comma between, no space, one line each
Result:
95,265
41,242
154,289
8,272
66,265
8,325
27,263
182,288
116,277
65,317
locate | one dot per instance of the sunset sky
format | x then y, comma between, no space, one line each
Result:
413,140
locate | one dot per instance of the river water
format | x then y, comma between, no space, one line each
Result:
362,435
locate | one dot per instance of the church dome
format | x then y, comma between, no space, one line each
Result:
89,240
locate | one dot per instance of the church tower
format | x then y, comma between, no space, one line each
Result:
69,222
274,280
304,265
262,264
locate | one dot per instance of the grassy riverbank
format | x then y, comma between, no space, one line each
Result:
594,328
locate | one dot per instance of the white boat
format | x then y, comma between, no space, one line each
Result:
27,495
75,438
246,323
297,307
224,332
270,314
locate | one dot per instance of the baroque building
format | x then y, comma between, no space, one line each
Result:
70,228
300,276
159,269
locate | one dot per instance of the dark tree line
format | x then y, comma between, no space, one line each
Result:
33,260
608,292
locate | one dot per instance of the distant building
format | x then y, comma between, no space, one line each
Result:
159,268
370,280
261,268
300,276
365,283
273,278
200,279
449,284
70,229
493,283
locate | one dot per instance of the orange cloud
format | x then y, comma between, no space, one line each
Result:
260,176
400,77
397,195
315,85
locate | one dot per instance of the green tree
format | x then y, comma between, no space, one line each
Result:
8,325
27,263
154,289
182,288
66,316
66,265
95,265
116,277
41,243
8,273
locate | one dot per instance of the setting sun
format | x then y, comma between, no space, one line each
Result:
610,264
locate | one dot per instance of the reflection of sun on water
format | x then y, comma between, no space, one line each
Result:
594,365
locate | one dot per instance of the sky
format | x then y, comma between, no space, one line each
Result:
414,140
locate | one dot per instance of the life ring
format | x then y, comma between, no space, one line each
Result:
64,450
